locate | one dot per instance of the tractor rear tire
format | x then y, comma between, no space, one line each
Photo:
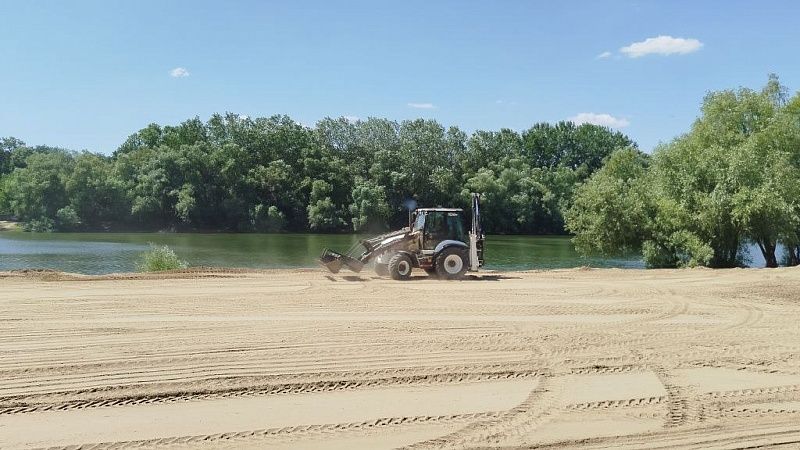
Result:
382,270
451,263
400,267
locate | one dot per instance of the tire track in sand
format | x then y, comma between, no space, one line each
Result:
278,389
266,433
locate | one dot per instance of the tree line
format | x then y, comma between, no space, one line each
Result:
272,174
733,179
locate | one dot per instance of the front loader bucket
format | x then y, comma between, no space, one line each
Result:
331,260
335,260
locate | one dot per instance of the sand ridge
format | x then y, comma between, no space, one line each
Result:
220,358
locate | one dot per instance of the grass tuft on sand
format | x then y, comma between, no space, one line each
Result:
160,258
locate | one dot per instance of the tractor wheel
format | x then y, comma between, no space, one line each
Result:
382,270
400,267
451,263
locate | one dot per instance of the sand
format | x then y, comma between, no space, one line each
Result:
304,359
7,225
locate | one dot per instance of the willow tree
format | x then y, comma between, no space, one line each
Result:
732,179
609,213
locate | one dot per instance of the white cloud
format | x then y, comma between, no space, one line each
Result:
421,105
603,55
661,45
605,120
179,72
351,119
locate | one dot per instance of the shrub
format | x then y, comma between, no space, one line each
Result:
40,225
67,219
160,258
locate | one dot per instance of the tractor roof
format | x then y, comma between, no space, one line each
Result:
440,209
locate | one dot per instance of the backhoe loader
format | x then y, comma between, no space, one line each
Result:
435,240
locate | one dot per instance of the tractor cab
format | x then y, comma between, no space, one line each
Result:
436,225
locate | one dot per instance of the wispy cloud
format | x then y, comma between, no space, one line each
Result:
351,119
421,105
605,120
603,55
661,45
179,72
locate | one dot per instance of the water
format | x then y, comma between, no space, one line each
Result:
97,253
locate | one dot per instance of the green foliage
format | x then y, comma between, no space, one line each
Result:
322,212
7,147
39,189
273,174
3,200
369,207
732,179
609,213
67,219
39,225
160,258
680,249
269,219
95,193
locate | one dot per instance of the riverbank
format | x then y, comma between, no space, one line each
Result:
306,359
7,225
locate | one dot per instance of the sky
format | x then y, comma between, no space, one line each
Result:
87,74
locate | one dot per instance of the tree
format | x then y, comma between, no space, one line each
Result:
238,173
38,190
7,146
96,197
692,206
581,148
275,185
267,218
322,212
731,179
609,213
369,208
485,148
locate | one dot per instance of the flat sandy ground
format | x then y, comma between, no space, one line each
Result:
303,359
5,225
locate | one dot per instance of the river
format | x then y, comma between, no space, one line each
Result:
99,253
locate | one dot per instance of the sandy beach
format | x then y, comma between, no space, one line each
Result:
304,359
6,225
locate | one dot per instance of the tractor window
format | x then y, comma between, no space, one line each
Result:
435,230
455,228
440,226
419,222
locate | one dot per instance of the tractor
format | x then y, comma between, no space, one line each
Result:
435,240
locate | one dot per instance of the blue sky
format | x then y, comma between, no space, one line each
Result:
86,74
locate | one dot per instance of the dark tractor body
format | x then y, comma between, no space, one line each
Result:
436,241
